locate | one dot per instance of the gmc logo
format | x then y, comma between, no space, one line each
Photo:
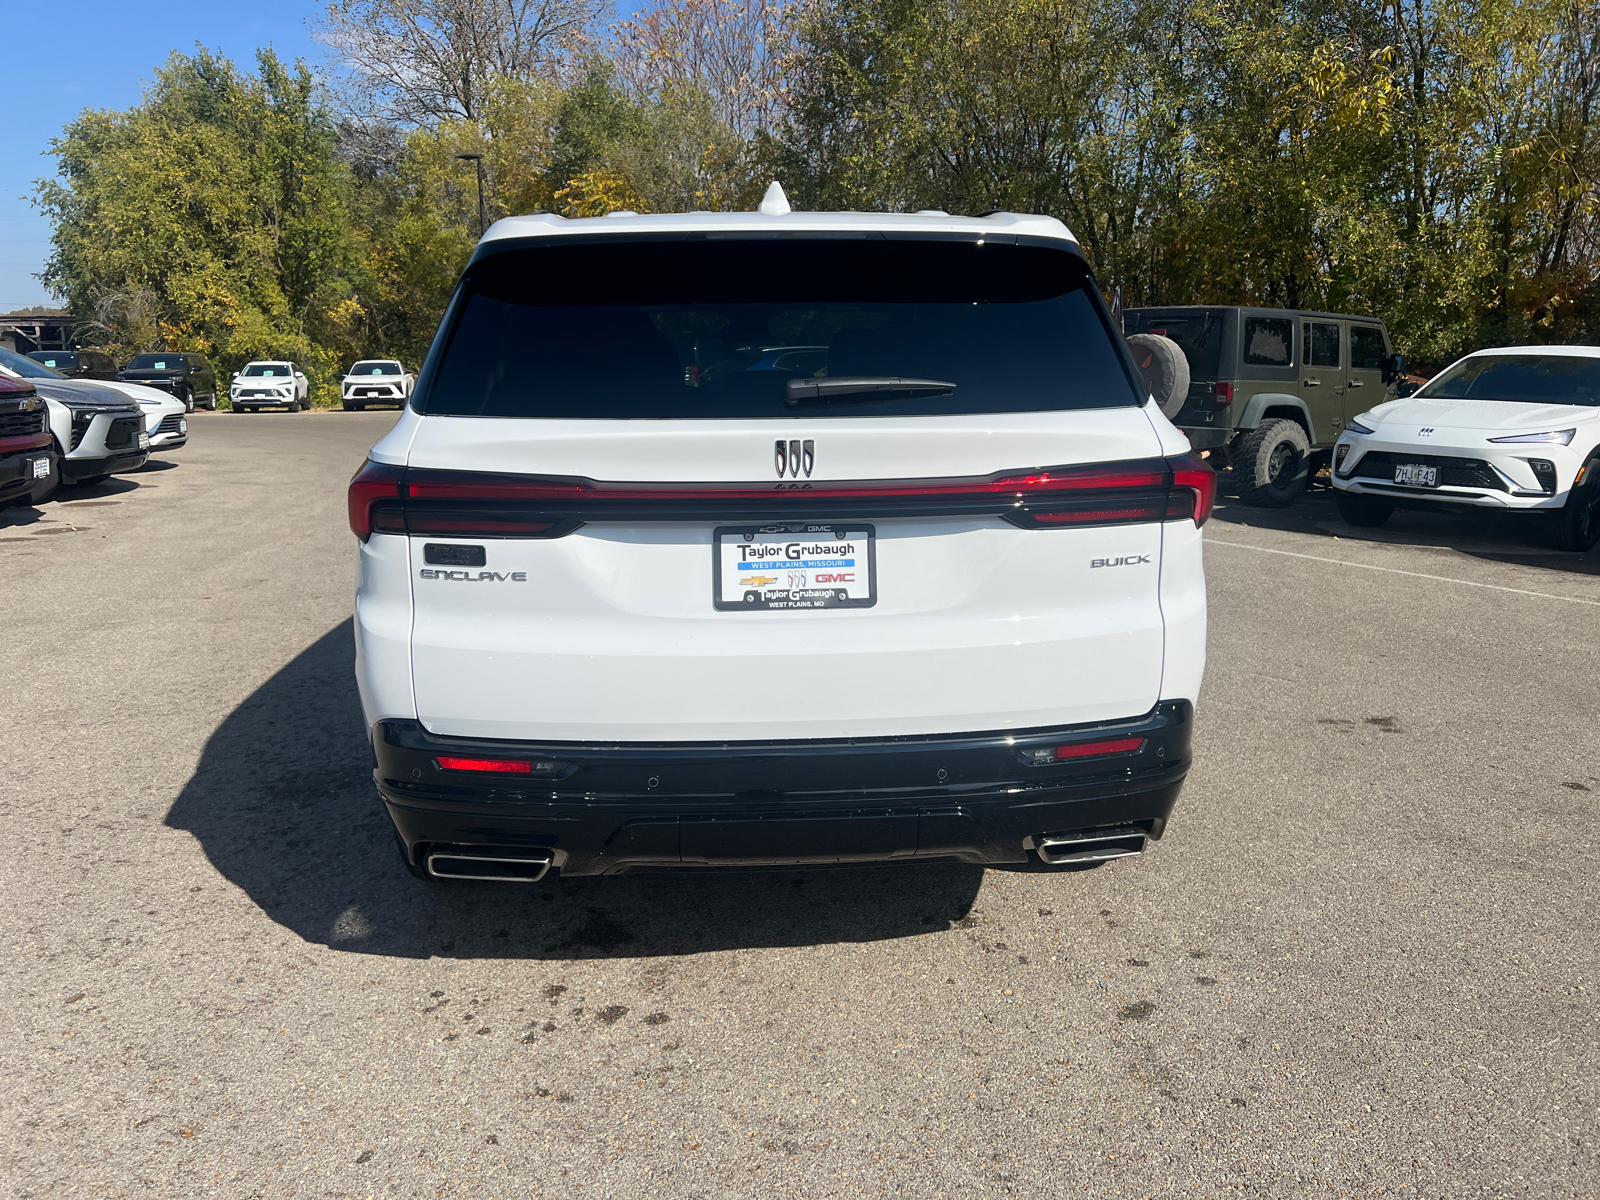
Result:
846,578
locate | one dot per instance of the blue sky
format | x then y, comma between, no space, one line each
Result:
95,54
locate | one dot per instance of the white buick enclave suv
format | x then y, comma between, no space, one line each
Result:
771,538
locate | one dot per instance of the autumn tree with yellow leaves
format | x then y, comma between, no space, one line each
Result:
1434,162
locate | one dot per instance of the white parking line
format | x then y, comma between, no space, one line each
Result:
1339,562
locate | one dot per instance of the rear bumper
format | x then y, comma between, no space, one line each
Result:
611,808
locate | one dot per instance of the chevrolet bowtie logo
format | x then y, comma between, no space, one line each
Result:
791,458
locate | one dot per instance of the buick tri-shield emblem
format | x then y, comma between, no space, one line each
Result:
791,458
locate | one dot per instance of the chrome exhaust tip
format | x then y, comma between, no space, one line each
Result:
1091,846
489,864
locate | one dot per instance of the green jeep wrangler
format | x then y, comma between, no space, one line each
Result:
1272,386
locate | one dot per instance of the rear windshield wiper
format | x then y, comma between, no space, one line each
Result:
858,389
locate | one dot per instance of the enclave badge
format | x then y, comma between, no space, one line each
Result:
793,457
476,576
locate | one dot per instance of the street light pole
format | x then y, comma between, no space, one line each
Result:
478,160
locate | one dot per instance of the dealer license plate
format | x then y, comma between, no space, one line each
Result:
1416,475
795,566
144,440
41,468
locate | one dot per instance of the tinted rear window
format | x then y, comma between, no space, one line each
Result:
1197,331
739,328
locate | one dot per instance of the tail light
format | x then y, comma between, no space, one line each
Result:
388,499
1053,754
1222,395
1194,489
372,485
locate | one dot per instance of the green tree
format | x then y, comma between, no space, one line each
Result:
219,200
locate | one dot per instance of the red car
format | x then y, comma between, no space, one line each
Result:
27,459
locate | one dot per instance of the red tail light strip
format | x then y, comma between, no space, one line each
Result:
504,766
390,499
1094,749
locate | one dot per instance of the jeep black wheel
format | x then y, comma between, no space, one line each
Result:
1578,522
1364,512
1272,464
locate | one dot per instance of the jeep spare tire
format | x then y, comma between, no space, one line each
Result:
1166,371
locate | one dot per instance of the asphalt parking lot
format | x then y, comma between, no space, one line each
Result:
1362,962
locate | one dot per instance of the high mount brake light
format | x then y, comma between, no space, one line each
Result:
388,499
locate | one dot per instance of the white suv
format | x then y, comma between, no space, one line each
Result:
768,538
1515,429
375,381
269,385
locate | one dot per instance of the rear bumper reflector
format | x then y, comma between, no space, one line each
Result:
1050,754
507,766
389,499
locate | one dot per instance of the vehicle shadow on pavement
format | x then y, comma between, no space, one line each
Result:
283,804
1513,538
112,489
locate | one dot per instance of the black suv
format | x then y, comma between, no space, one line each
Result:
188,377
77,364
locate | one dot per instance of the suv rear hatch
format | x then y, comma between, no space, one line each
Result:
696,490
